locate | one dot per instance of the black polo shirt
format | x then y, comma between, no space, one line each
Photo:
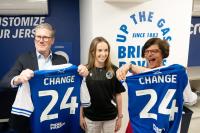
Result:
102,86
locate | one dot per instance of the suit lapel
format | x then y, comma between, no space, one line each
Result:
34,61
54,60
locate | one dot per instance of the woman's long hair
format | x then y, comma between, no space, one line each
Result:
92,54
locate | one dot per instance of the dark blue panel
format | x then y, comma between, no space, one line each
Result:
194,49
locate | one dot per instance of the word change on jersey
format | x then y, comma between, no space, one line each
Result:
156,99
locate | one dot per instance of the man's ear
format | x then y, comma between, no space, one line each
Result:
53,40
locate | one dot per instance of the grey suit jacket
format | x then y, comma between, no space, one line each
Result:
27,61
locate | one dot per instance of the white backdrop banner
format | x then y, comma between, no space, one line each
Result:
153,19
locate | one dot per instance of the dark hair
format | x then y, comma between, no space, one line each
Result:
162,44
92,54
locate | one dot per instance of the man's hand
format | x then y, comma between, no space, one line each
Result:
24,76
82,70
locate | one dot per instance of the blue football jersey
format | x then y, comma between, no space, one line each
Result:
55,98
156,99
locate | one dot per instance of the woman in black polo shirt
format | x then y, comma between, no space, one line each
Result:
105,112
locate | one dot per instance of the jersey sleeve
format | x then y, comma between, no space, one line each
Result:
23,104
85,96
190,98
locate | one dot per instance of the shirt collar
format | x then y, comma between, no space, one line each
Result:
40,55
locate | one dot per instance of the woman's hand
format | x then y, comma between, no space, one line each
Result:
122,71
83,123
118,124
82,119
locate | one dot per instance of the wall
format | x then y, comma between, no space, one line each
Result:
106,19
99,18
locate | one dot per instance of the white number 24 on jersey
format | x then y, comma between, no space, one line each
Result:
162,109
63,105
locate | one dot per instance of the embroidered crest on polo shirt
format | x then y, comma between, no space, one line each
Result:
109,75
90,74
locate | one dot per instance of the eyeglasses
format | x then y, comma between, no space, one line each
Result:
152,51
44,38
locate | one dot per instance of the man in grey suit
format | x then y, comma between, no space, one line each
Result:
39,59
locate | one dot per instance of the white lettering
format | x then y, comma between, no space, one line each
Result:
4,33
23,33
195,29
21,21
158,79
59,80
56,125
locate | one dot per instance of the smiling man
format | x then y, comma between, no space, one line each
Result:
41,58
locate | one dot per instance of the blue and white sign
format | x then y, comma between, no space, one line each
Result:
151,19
140,26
